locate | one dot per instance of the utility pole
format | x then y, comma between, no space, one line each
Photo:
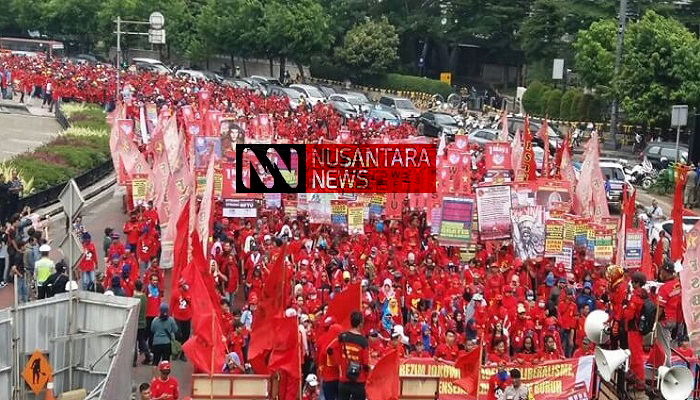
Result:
618,60
119,55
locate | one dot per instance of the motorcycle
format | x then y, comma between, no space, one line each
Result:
642,174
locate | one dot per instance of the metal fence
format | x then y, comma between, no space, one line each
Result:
98,350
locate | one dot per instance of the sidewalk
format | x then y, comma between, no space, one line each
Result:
30,107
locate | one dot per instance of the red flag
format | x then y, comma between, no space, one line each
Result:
286,351
204,217
206,349
629,208
469,365
204,98
528,168
180,246
659,251
681,176
383,380
647,267
504,135
516,154
591,191
344,303
543,134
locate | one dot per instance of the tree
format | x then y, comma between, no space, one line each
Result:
370,48
595,53
553,103
565,106
542,32
296,29
532,98
661,65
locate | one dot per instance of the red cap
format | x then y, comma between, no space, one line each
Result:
164,365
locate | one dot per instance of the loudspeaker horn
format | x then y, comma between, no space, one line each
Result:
607,361
596,328
675,383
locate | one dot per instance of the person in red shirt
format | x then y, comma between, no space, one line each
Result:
164,387
132,230
154,269
632,315
115,247
618,294
448,351
351,354
567,312
182,311
88,263
146,248
669,296
684,348
420,351
587,348
550,350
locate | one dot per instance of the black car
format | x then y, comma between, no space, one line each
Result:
655,151
432,124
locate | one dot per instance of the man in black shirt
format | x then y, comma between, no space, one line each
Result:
56,282
351,352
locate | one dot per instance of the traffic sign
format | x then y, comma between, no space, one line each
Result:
71,199
71,248
37,372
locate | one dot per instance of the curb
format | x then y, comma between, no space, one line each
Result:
93,195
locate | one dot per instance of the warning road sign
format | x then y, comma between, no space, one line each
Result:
37,372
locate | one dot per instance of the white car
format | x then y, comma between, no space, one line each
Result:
312,93
190,74
152,64
688,224
354,101
614,173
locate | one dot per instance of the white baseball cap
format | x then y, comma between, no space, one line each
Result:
312,380
44,248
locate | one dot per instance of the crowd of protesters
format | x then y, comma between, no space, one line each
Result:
420,297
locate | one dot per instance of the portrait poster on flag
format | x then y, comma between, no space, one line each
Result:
356,220
456,220
493,209
232,133
528,231
604,246
497,156
319,208
205,147
554,237
339,213
551,193
633,248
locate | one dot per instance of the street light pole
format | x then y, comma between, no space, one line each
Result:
119,54
618,61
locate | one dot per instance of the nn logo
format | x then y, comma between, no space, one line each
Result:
270,167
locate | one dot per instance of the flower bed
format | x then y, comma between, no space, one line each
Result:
77,149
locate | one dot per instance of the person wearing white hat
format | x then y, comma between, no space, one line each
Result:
43,268
310,391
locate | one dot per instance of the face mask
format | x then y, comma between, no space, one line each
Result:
541,305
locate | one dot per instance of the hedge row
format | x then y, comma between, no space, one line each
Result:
572,105
79,148
390,81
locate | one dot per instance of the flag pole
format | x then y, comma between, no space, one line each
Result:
213,353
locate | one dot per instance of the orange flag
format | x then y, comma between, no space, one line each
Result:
383,379
344,303
647,267
677,238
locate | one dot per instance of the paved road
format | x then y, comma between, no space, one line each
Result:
23,130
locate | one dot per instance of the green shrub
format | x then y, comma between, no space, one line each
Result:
532,97
553,103
328,71
565,106
573,111
583,105
82,147
409,83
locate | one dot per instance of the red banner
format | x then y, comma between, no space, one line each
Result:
394,205
551,380
690,287
497,156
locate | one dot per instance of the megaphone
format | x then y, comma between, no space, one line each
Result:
675,383
607,361
596,330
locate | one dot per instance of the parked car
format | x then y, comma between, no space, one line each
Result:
517,124
432,124
355,102
312,94
366,103
91,59
327,91
688,224
238,83
190,74
151,65
266,80
293,95
344,109
380,115
483,136
404,106
655,151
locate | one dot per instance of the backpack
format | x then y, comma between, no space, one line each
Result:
647,317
